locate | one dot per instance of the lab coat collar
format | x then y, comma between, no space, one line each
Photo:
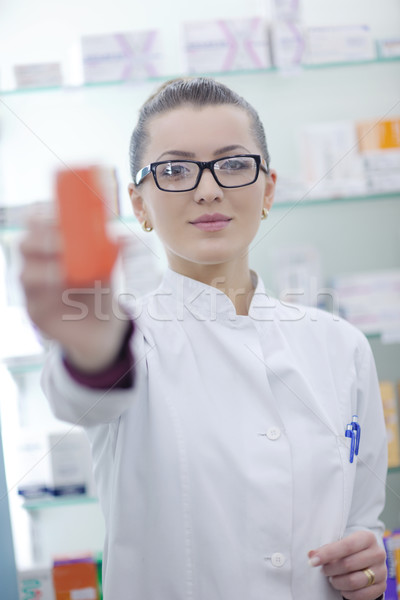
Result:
205,302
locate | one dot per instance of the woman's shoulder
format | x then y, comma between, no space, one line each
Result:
318,324
302,318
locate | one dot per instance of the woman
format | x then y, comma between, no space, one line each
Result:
219,428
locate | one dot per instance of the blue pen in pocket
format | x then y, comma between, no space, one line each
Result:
356,427
353,431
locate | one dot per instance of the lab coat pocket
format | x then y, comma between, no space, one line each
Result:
349,475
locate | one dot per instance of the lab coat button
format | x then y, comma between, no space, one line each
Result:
278,559
273,433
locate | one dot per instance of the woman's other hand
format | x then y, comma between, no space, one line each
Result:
345,562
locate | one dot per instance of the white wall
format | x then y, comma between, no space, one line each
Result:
41,131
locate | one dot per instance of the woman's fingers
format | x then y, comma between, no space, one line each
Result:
37,273
42,238
344,562
82,319
359,580
355,562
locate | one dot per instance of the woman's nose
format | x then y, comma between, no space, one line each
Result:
208,189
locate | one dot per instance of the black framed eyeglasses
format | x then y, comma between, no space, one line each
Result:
184,175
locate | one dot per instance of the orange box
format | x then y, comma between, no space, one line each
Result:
390,410
75,578
378,135
83,200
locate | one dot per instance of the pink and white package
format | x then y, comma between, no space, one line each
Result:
227,45
122,56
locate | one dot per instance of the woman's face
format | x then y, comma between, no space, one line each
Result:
202,134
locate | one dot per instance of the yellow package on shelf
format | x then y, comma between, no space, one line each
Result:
374,134
397,563
390,409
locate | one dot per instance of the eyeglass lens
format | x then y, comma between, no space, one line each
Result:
229,172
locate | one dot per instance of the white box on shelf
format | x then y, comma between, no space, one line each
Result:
227,45
70,463
382,160
62,528
287,9
381,181
122,56
36,583
38,75
377,319
32,466
287,44
56,464
333,44
379,145
370,300
290,189
389,48
296,272
369,282
331,162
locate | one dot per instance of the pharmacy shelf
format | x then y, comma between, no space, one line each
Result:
307,201
27,366
43,504
270,70
304,201
46,504
377,60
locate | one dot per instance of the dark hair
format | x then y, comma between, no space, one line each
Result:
198,91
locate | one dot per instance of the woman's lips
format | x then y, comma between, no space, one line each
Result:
214,222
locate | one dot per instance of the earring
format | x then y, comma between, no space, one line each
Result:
146,227
264,213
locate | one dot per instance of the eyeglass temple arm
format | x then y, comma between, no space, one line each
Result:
264,166
142,174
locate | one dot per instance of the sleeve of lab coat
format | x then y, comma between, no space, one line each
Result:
80,405
370,481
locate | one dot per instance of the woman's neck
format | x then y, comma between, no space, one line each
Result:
232,279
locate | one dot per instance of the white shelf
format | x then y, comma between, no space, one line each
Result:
132,82
61,501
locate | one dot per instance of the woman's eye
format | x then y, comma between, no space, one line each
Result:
175,170
233,164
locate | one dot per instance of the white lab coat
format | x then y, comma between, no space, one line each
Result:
228,462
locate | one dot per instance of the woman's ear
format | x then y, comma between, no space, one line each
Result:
270,190
137,202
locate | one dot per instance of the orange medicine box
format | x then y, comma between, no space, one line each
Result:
75,579
374,134
390,410
82,200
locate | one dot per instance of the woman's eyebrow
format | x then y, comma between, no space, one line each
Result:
180,153
230,148
192,155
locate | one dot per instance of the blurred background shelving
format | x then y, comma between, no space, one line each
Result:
345,233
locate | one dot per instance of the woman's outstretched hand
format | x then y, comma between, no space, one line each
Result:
355,565
84,321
